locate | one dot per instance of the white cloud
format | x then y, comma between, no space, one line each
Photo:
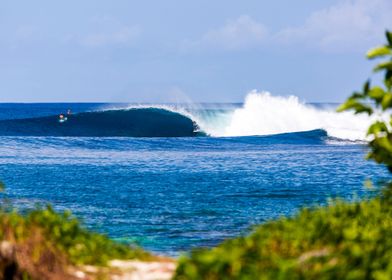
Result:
347,25
122,36
105,31
242,33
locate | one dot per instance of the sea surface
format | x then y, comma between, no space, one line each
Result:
172,177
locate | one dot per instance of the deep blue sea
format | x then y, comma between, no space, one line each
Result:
174,177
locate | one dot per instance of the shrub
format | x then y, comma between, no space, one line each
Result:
64,231
43,244
341,241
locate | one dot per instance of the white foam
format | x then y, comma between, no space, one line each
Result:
264,114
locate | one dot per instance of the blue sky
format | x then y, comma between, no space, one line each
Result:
181,51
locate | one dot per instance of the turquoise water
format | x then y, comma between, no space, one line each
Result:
170,194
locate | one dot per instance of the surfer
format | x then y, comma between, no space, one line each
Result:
62,118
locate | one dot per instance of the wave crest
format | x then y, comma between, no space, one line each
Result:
264,114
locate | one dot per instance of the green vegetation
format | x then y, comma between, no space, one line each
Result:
43,244
341,241
78,245
377,100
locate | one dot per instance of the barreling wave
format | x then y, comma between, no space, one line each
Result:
134,122
264,114
261,114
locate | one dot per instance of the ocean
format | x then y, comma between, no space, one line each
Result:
172,177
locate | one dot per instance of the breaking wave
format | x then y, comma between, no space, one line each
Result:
136,122
261,114
264,114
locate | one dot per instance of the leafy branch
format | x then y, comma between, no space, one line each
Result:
377,99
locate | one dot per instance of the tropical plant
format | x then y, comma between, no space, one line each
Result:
341,241
45,244
377,100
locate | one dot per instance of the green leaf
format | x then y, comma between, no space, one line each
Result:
366,87
384,143
383,66
358,95
376,93
389,37
376,128
353,104
345,106
388,79
386,101
378,52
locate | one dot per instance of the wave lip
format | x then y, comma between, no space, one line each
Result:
265,114
134,122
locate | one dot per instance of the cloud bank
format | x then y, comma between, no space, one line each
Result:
241,33
348,25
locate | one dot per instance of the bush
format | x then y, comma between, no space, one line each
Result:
64,231
341,241
43,244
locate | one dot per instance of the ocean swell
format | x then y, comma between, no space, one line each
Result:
261,114
136,122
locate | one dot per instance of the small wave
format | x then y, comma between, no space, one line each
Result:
135,122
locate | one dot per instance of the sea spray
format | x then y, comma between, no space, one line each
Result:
261,114
265,114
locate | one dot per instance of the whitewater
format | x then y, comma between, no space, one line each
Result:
265,114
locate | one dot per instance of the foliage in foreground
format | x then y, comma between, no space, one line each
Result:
341,241
79,245
44,244
376,101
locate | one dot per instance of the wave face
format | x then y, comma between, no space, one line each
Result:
261,114
136,122
264,114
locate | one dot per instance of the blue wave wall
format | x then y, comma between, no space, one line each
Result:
137,122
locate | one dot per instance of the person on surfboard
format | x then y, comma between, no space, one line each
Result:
62,118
